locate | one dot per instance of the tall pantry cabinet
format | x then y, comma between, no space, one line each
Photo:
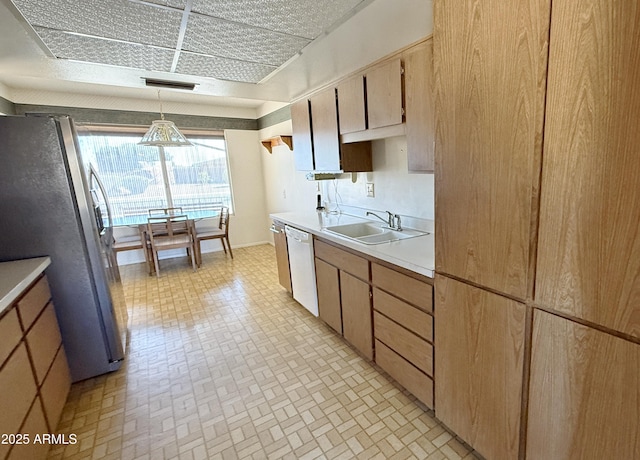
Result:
538,246
490,62
585,369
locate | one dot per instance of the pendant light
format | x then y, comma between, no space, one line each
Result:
164,133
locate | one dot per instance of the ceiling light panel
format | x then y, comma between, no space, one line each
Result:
221,68
303,18
116,19
221,38
100,51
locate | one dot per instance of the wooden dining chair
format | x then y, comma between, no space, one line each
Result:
221,233
171,232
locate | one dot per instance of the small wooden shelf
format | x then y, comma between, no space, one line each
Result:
272,142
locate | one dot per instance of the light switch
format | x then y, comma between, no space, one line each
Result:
370,192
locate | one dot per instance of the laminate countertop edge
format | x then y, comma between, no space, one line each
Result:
16,276
415,254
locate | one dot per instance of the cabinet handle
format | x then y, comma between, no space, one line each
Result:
274,229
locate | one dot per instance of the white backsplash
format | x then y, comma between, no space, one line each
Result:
396,190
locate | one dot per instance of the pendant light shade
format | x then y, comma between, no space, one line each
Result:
164,133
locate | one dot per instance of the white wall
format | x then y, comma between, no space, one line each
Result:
285,188
396,190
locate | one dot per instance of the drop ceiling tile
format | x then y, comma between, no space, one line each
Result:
222,69
117,19
101,51
303,18
236,41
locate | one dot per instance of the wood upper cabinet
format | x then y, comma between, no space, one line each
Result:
584,401
351,105
384,94
480,339
419,106
301,130
324,127
589,244
490,64
316,139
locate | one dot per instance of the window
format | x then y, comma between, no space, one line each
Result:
134,175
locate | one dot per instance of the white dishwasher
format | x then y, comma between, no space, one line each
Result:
303,273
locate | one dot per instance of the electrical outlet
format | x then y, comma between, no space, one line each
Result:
370,192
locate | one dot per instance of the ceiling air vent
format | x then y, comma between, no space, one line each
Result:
169,84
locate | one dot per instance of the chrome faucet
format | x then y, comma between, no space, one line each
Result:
393,220
398,222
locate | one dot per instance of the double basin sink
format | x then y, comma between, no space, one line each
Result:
373,233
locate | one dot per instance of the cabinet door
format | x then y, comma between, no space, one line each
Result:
282,256
583,399
324,123
301,129
356,313
589,244
351,107
384,94
478,366
328,284
418,80
490,64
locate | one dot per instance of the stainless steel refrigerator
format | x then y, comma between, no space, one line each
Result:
51,205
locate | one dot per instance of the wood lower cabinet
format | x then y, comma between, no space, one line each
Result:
34,374
355,299
328,287
19,390
584,401
480,340
282,255
403,330
344,295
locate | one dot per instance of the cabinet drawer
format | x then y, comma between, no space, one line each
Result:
350,263
404,314
410,289
10,334
18,391
407,375
33,302
414,349
35,424
55,389
44,340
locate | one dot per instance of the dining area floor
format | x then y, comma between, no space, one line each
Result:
222,363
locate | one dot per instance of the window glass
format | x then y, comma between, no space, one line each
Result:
197,177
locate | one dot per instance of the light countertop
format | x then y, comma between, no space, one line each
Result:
415,254
16,276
